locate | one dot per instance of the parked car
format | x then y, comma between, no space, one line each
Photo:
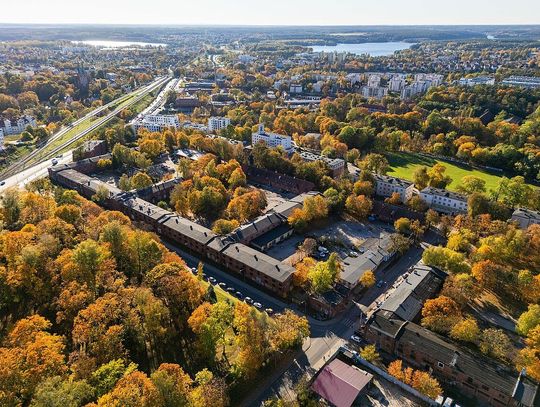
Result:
269,311
257,305
380,283
356,339
248,300
353,254
239,295
230,290
212,280
54,161
2,183
222,285
194,270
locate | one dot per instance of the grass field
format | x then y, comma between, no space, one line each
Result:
403,165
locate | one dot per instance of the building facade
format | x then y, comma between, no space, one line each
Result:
271,140
157,122
218,123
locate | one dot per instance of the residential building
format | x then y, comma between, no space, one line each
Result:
433,78
469,372
532,82
295,88
218,123
477,80
336,165
157,122
526,217
376,92
16,126
386,185
374,81
396,84
444,201
340,383
272,140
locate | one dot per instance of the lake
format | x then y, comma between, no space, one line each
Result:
118,44
375,49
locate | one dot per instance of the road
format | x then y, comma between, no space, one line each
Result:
325,336
24,175
137,95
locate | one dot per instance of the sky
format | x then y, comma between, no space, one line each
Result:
271,12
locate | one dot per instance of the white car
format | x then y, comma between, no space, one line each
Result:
257,305
356,339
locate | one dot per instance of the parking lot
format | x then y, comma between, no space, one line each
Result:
339,236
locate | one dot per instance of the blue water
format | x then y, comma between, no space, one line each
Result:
375,49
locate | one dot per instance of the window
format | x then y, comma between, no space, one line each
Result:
440,364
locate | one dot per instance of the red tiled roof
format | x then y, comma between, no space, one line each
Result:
340,383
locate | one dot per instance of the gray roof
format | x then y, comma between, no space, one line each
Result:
527,213
392,180
355,267
444,193
407,299
259,261
146,208
188,228
472,364
89,182
257,227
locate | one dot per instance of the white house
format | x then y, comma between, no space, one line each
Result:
157,122
16,126
218,123
444,201
396,84
271,139
386,185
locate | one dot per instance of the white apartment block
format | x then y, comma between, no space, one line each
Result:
434,78
522,81
295,88
377,92
157,122
386,185
444,201
396,84
218,123
272,140
478,80
374,81
16,126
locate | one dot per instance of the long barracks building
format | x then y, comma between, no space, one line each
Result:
240,259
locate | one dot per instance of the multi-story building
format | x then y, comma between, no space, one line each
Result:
444,201
377,92
386,185
374,81
396,84
157,122
218,123
272,140
526,217
477,80
295,88
16,126
433,78
522,81
336,165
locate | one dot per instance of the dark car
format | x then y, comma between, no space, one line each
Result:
248,301
230,290
212,280
223,285
239,295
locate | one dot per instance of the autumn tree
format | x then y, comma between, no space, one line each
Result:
134,389
466,330
173,384
358,206
440,314
368,279
495,343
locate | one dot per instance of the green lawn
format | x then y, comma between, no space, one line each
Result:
403,165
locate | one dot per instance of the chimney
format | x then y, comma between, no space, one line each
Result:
256,259
237,249
176,220
277,267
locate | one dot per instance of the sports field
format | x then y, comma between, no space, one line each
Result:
403,165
